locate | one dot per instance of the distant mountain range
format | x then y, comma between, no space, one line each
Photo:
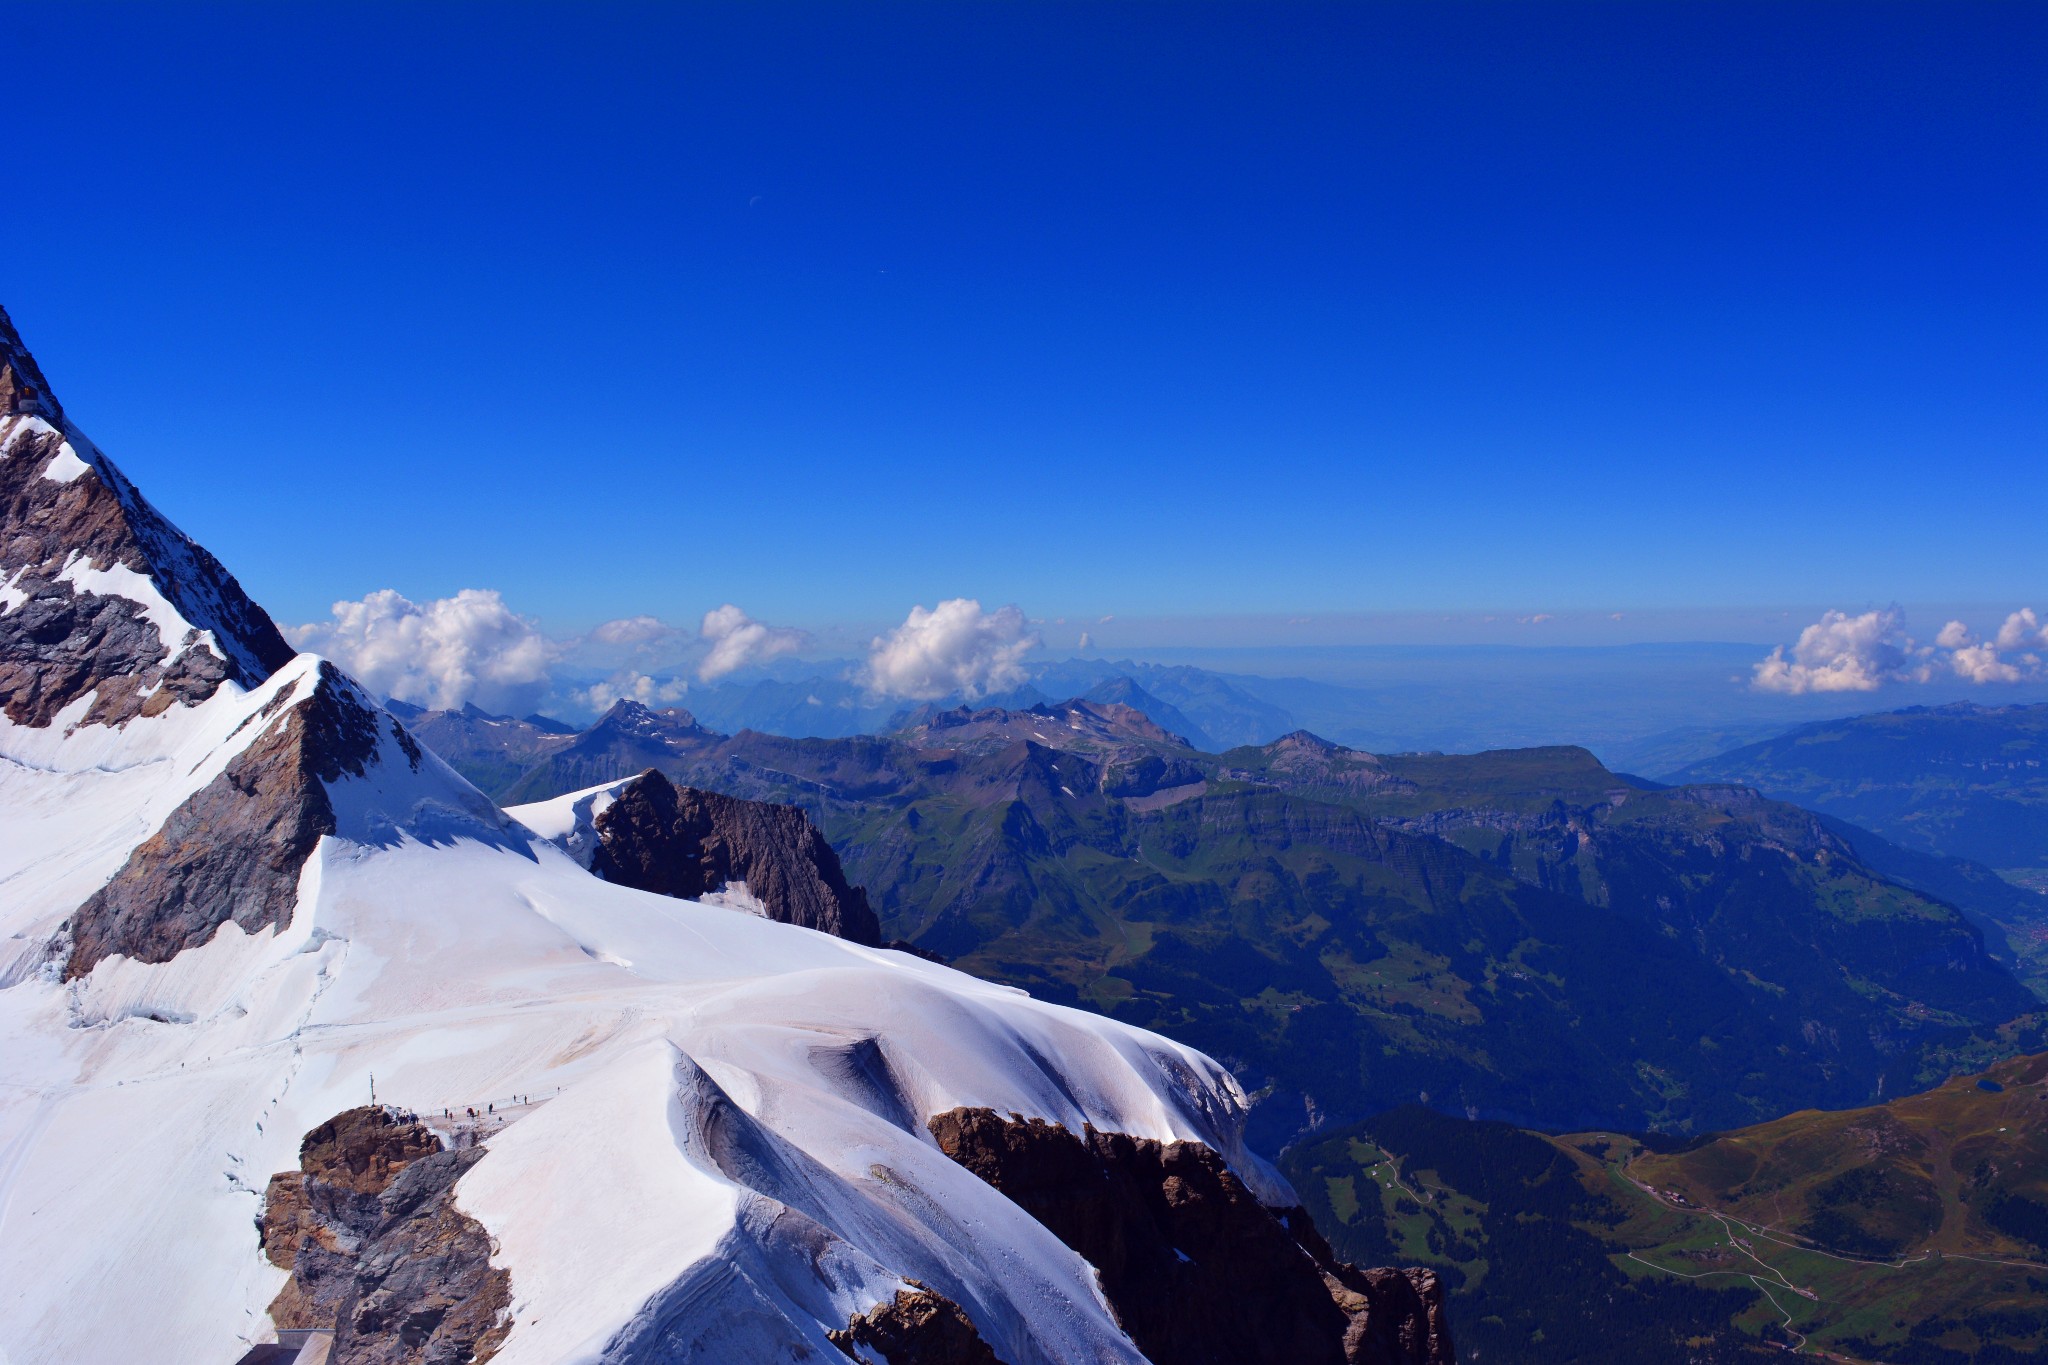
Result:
1210,710
1523,933
1960,781
1646,708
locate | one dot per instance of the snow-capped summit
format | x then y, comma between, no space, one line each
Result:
300,1033
104,597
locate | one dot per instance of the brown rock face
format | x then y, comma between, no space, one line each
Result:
679,841
919,1327
63,643
377,1249
1198,1271
22,389
233,849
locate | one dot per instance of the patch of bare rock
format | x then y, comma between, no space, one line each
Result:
377,1250
1196,1269
233,849
680,841
918,1327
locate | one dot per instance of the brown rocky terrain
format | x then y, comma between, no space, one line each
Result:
62,643
917,1327
233,849
377,1249
1197,1270
679,841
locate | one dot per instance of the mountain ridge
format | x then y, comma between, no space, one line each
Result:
1308,910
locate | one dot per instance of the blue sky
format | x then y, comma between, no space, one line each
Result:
1208,313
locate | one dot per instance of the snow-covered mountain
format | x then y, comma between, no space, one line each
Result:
240,906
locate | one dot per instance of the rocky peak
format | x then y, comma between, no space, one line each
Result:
1304,741
100,595
23,391
632,718
234,848
679,841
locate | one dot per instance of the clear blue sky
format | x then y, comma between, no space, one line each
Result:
1154,309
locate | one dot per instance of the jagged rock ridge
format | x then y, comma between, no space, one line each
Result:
1198,1271
97,582
654,835
378,1252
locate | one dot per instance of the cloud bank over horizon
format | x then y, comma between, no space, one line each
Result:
473,648
1844,653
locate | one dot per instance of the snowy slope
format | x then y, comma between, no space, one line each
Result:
720,1152
569,822
462,960
705,1130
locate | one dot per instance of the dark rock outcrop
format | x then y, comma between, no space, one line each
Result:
917,1327
679,841
378,1251
233,849
62,643
1197,1270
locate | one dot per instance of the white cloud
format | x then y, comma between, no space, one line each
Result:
467,648
1981,664
630,686
631,630
955,647
737,640
1985,661
1087,641
1844,653
2022,630
1841,653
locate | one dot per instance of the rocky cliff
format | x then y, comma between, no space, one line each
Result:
234,848
102,596
377,1249
1197,1270
679,841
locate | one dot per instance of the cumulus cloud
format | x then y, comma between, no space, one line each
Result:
2022,630
955,647
2010,656
737,639
467,648
630,685
1844,653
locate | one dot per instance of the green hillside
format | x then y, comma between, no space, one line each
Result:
1520,933
1914,1232
1964,781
